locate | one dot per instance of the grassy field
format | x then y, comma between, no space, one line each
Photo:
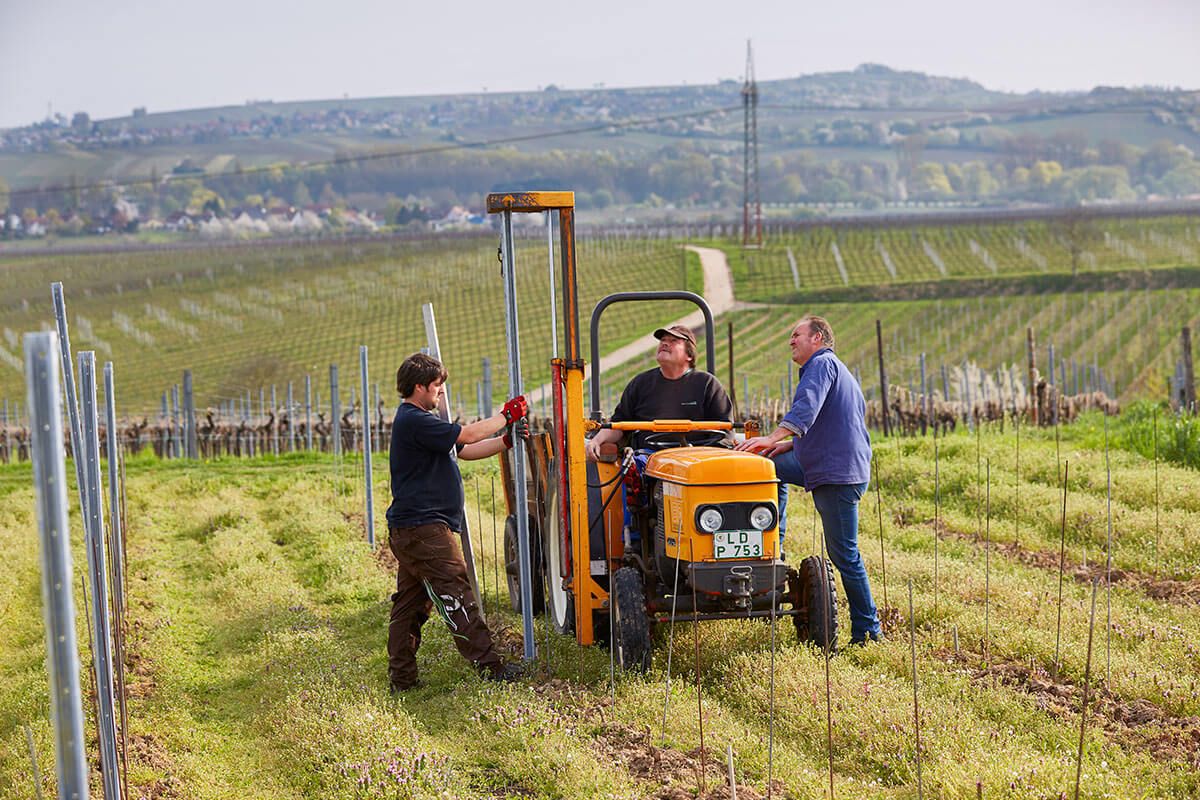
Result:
258,617
251,317
895,256
1133,336
246,318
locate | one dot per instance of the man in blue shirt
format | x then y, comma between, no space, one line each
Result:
426,511
822,445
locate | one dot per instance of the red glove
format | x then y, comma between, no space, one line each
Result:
515,409
519,429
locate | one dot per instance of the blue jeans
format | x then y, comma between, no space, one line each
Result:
837,504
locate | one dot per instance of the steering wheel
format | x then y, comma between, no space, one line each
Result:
662,440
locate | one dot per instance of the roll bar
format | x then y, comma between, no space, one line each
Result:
625,297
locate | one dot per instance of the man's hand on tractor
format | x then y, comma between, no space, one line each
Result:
515,409
780,448
518,430
591,449
764,446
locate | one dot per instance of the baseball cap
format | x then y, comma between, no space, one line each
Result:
678,331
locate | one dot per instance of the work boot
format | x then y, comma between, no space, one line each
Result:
870,637
505,673
401,688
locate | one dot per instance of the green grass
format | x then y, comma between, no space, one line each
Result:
246,318
258,619
1133,336
983,251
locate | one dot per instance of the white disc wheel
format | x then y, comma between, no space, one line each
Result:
562,604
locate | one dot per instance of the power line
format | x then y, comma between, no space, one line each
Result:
594,128
389,154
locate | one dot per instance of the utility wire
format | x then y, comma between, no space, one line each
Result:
594,128
381,155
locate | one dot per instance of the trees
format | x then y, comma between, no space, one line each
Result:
4,196
929,182
1097,183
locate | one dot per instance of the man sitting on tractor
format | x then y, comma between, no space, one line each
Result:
675,390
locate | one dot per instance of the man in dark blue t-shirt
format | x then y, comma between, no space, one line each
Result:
426,512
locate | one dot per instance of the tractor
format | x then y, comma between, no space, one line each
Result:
686,530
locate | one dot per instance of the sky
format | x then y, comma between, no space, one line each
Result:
107,58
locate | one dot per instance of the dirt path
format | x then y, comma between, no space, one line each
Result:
718,291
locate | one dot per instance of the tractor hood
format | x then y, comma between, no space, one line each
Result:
710,466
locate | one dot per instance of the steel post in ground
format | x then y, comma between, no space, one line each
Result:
377,417
366,425
335,410
291,418
68,372
176,449
487,388
308,413
7,436
274,422
925,404
1189,374
468,545
189,416
520,488
94,524
58,606
883,383
116,529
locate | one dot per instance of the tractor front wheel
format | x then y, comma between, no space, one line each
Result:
631,625
814,595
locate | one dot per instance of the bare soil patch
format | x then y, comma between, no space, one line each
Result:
1137,723
1166,589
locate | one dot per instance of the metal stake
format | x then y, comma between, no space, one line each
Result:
335,410
1087,674
94,524
58,607
1062,557
308,413
912,644
468,547
1108,562
366,426
520,489
68,370
291,416
189,415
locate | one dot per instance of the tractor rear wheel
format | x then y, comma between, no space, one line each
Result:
512,566
631,624
814,595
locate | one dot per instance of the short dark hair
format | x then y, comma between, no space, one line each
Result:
418,369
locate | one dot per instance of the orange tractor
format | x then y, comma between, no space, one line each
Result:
688,531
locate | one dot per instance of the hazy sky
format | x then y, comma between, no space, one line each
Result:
107,57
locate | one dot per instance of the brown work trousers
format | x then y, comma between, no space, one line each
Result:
431,553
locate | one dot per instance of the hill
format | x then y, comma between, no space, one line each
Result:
867,136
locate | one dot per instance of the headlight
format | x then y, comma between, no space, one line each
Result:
762,517
710,520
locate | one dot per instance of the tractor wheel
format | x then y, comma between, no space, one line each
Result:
814,594
512,570
631,624
562,602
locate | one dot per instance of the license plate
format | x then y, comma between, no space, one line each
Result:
737,544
